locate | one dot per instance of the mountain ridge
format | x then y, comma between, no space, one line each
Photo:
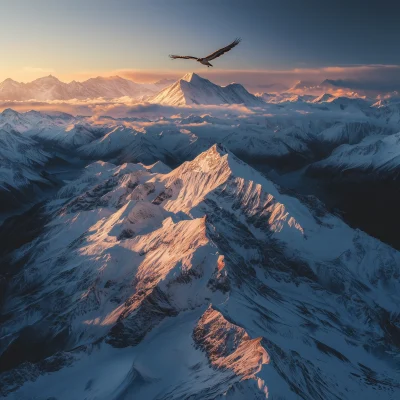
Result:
49,88
245,284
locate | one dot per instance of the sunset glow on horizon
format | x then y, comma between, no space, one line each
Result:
77,40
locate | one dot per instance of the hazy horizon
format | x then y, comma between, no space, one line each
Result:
281,42
377,78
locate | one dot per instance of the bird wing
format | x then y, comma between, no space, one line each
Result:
185,57
223,50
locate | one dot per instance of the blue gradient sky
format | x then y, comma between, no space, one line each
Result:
82,38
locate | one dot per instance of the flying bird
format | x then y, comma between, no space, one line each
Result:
206,60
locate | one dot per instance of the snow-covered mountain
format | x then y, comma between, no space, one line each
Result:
193,89
22,162
208,267
16,121
203,282
50,88
375,158
12,90
389,112
295,129
109,145
293,134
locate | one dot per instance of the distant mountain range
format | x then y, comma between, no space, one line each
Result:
50,88
190,89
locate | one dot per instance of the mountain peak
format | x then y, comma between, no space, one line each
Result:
325,97
8,112
9,80
48,78
190,77
219,148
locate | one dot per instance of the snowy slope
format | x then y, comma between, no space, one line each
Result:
36,121
389,113
21,166
351,132
193,89
110,144
14,120
60,130
325,97
286,135
203,282
374,158
65,137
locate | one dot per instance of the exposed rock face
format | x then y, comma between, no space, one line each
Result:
229,346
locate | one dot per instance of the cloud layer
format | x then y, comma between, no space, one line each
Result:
123,107
357,77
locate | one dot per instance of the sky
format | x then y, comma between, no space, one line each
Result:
284,39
